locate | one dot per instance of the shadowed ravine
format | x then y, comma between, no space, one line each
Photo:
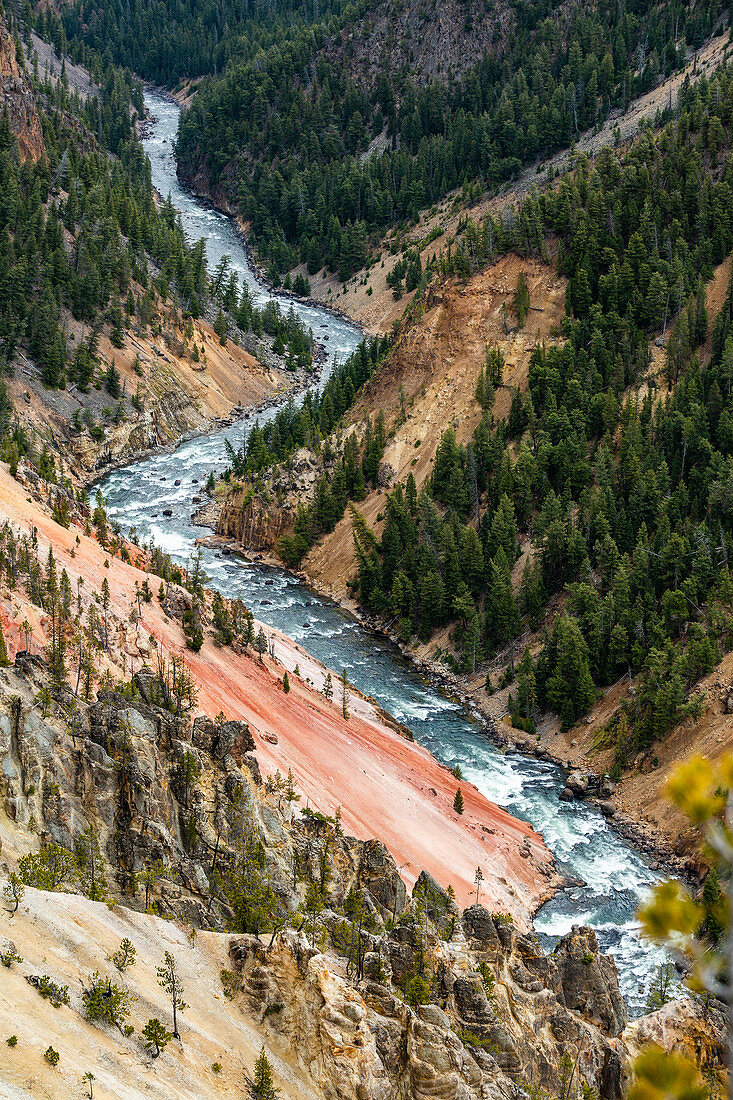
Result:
583,843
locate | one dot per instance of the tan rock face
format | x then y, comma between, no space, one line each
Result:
17,99
254,523
685,1026
495,1017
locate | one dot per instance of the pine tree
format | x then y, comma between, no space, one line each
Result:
188,772
170,981
112,381
521,299
458,801
263,1083
90,861
345,694
4,660
156,1036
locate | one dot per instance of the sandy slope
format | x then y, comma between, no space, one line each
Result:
386,786
436,363
177,395
68,937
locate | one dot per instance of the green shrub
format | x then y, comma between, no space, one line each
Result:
52,1056
124,956
57,994
12,1040
105,1002
229,983
7,958
417,991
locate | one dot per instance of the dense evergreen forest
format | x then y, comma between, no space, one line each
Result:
79,228
625,495
283,123
82,236
287,134
168,43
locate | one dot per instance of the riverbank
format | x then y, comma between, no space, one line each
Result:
610,876
652,844
206,198
347,756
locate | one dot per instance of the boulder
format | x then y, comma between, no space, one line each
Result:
578,783
442,909
385,476
480,930
378,874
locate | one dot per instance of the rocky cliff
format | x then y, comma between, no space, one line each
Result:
166,395
254,522
375,994
362,767
18,101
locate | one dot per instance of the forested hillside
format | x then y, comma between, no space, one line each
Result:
623,492
94,269
327,124
288,135
607,471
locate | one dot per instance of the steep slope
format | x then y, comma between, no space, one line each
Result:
109,347
576,539
427,384
17,100
358,137
143,803
329,1037
386,786
69,938
432,371
165,395
370,299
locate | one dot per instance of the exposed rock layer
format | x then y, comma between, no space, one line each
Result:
17,99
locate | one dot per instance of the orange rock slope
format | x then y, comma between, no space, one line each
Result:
386,786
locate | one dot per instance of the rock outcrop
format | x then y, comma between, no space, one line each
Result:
18,102
160,789
587,981
375,994
494,1017
255,523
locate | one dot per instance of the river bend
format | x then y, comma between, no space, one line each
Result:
615,875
